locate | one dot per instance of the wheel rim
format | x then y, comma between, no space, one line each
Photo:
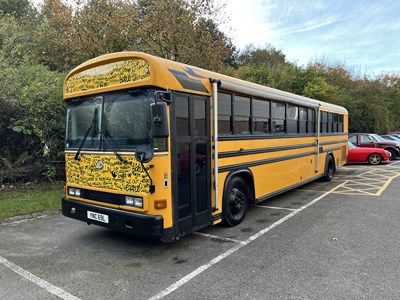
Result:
374,159
237,202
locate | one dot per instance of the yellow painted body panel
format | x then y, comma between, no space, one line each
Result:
110,74
277,176
122,178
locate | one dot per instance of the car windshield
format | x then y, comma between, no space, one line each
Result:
351,145
119,120
395,137
377,138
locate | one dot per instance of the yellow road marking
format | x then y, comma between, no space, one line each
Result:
373,182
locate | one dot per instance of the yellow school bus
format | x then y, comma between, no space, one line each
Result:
160,149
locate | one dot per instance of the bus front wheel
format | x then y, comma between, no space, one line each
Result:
236,201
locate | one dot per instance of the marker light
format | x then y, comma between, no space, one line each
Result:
160,204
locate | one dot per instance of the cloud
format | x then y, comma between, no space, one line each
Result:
309,25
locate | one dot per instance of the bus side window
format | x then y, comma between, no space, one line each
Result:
311,120
278,113
241,117
303,120
330,123
224,113
261,116
324,122
292,118
340,123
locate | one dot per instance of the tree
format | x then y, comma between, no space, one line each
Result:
392,84
174,29
16,8
268,66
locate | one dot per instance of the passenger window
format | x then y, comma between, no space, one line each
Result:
330,123
311,120
261,116
224,113
292,118
340,123
278,117
241,114
324,122
302,120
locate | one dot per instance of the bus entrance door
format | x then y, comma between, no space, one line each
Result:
191,162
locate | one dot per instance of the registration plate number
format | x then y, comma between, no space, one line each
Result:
97,216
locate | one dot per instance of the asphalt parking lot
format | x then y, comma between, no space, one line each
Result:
336,240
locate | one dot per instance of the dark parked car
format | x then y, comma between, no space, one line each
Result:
391,137
371,141
394,132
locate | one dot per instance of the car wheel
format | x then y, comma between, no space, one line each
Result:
329,169
375,159
236,201
393,154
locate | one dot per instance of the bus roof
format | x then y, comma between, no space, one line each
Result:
124,70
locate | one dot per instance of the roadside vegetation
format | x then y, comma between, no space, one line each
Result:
25,199
40,44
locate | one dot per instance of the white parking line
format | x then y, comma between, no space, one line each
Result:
218,237
38,281
220,257
274,207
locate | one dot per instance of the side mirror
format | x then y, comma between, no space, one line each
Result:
159,117
144,153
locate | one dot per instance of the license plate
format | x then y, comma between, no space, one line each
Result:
97,216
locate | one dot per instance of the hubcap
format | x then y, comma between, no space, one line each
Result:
374,159
237,201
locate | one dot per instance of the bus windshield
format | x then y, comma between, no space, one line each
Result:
118,120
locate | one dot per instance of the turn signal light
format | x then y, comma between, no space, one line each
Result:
160,204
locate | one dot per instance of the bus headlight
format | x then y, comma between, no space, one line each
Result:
74,192
134,201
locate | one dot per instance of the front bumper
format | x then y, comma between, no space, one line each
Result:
128,222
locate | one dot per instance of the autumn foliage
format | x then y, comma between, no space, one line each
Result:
39,44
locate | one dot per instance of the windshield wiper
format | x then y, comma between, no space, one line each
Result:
86,134
112,145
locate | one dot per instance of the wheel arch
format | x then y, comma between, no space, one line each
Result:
247,175
331,154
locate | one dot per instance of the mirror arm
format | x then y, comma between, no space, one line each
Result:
152,187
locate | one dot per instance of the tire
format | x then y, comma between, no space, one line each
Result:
393,153
375,159
329,169
236,201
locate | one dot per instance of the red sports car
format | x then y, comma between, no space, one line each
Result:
374,156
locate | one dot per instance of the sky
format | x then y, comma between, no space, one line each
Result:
364,35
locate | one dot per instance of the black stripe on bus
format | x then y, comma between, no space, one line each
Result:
263,150
245,137
187,82
275,149
263,162
330,149
332,142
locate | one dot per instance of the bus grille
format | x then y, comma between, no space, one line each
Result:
102,197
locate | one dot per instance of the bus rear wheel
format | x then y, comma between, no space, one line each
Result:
236,201
329,169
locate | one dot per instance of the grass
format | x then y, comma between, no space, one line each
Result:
23,199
